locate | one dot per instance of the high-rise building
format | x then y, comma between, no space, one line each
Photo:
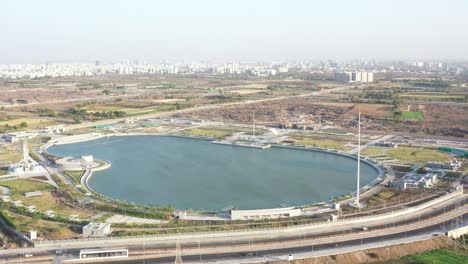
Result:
354,77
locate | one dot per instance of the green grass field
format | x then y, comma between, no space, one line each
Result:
411,155
130,108
432,96
24,185
321,143
75,175
412,115
208,132
439,257
47,201
48,229
33,123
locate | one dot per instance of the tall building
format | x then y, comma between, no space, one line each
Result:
354,77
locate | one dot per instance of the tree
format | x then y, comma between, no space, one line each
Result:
23,124
77,120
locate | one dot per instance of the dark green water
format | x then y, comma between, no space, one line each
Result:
191,173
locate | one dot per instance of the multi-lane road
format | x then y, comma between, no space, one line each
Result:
437,219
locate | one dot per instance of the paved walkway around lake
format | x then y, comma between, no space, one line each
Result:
115,219
362,147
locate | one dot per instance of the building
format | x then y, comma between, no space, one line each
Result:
265,213
386,144
54,129
412,180
354,77
15,137
97,230
87,161
32,234
451,165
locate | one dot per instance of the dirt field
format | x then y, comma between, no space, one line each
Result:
444,120
275,112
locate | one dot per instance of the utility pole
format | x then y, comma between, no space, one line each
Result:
178,258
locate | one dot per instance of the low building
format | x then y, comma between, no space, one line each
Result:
54,129
32,234
451,165
386,144
97,230
412,180
87,160
265,213
15,137
31,169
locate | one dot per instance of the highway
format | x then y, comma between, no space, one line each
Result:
310,250
434,220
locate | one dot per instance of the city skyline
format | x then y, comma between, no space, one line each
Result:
238,31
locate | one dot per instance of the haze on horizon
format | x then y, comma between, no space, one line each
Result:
269,30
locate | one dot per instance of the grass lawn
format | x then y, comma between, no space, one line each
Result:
33,123
439,256
432,96
24,185
322,143
412,115
208,132
411,155
382,197
11,154
51,230
75,175
374,151
47,201
131,109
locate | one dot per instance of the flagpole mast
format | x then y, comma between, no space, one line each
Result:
359,160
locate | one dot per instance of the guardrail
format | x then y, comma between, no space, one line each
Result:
260,231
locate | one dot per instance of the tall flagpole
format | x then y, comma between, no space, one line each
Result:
359,160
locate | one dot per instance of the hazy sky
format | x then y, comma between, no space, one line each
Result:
88,30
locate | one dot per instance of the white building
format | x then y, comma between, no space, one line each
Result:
54,129
87,160
354,77
32,234
265,213
412,180
97,230
15,137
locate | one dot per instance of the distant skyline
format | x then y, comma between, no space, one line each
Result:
261,30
